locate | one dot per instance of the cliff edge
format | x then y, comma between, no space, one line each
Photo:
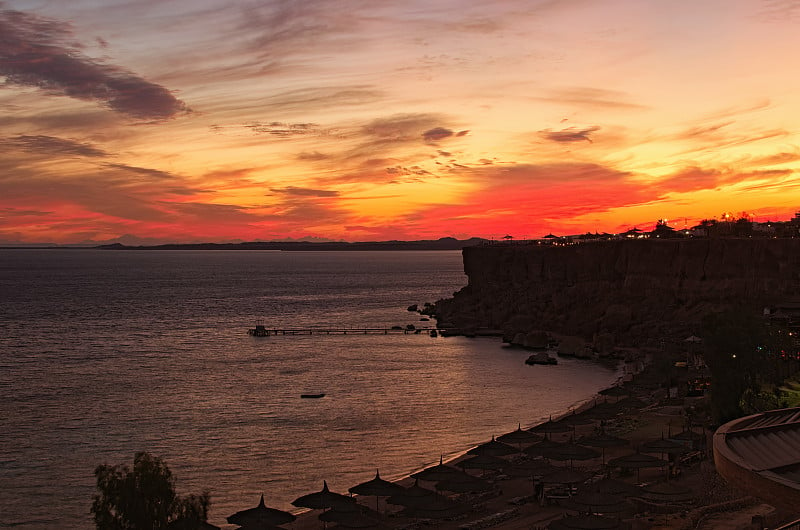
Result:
629,292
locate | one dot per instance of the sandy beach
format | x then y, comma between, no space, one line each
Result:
685,492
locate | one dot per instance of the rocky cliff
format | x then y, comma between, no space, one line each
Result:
620,292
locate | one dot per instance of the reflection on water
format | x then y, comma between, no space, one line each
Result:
103,354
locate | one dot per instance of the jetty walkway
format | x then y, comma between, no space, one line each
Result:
263,331
269,332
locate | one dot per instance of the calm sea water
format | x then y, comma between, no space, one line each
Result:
104,353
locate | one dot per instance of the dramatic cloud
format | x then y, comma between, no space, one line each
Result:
50,145
304,192
147,172
402,127
40,52
570,134
283,130
436,134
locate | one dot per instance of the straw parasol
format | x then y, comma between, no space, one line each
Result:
637,461
574,419
663,446
550,427
411,496
597,502
519,437
436,507
493,448
440,471
349,518
377,487
614,391
614,487
570,451
467,484
540,448
602,441
261,514
484,462
322,499
530,468
564,476
585,522
667,492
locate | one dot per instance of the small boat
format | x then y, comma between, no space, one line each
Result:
312,396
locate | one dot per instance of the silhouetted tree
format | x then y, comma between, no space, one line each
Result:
144,498
743,352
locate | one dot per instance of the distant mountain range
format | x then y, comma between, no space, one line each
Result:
445,243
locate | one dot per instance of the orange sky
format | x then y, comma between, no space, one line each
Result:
178,121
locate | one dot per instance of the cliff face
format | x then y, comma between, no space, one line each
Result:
623,292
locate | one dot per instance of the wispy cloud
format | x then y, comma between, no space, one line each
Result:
51,146
40,52
570,134
304,192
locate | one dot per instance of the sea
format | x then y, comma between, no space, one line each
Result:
105,353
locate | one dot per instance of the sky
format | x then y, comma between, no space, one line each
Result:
147,121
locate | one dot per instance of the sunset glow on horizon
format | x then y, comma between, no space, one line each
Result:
147,121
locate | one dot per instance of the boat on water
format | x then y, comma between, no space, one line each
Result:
313,396
541,357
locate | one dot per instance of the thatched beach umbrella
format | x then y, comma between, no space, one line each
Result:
377,487
540,448
493,448
484,462
663,447
323,499
348,518
261,514
574,419
614,487
466,484
601,441
412,496
667,492
614,391
586,522
637,461
596,502
253,526
551,427
570,451
436,507
530,468
565,476
630,403
440,471
519,437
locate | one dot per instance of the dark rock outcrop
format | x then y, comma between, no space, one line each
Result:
622,292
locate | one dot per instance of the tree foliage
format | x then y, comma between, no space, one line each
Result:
743,352
144,498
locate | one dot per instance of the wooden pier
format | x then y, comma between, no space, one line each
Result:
261,331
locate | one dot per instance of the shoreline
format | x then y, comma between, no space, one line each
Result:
451,459
510,505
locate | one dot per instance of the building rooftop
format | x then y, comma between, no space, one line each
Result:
761,455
